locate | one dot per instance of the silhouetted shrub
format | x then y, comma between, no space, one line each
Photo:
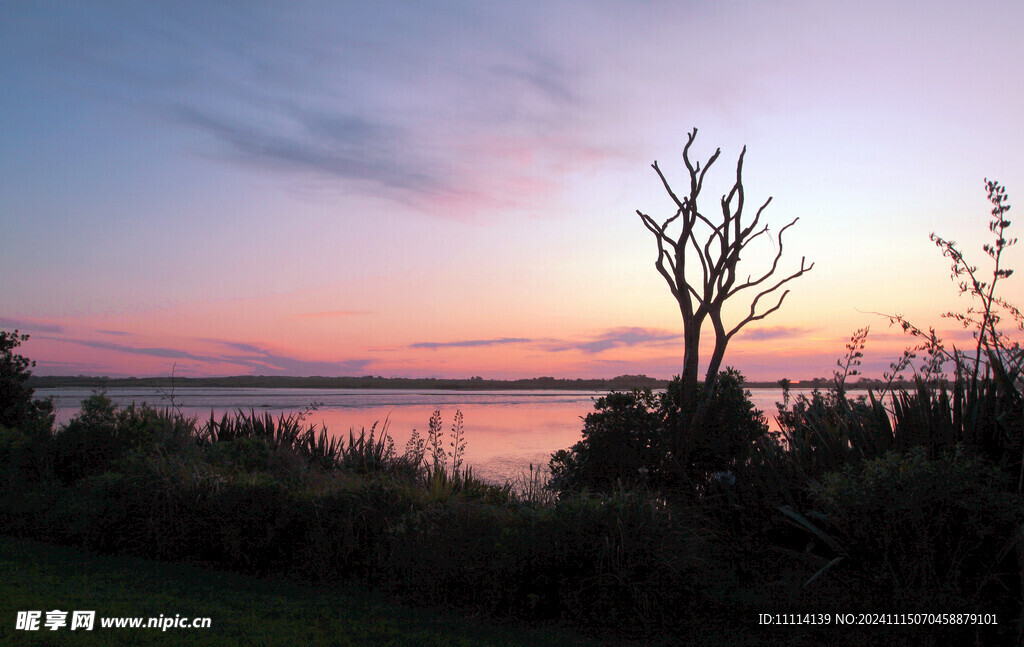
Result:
243,453
257,525
24,456
622,439
917,524
101,435
18,409
629,440
345,528
89,443
718,449
618,561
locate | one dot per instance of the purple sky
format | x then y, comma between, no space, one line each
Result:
450,188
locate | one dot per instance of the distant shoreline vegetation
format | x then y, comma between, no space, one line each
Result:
620,383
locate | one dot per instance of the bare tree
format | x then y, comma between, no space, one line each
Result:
712,267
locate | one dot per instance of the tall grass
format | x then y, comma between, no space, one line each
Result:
532,487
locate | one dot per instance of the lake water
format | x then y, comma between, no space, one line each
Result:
505,431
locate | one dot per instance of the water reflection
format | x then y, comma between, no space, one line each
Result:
505,430
501,438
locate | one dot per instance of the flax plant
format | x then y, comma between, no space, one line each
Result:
458,443
435,443
985,407
367,453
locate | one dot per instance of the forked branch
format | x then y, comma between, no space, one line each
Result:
717,247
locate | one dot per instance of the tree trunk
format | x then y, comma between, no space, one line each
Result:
702,405
691,359
688,381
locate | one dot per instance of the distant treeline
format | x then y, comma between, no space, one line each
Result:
620,383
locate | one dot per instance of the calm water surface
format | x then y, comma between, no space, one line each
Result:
506,431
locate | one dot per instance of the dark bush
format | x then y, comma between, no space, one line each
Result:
246,454
621,560
917,524
24,456
18,409
345,529
257,525
100,436
720,446
89,443
629,440
623,439
618,561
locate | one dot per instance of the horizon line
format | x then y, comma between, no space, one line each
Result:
793,382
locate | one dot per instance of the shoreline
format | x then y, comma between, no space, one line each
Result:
620,383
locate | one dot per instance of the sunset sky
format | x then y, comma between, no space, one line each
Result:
449,189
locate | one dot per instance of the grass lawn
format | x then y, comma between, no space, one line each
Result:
244,610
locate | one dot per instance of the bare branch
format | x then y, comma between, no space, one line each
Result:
696,173
767,291
718,256
663,255
737,190
668,188
654,228
702,258
747,239
775,264
753,317
660,266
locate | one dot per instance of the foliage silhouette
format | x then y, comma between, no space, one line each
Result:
983,407
629,440
18,409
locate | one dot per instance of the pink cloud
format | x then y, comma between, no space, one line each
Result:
331,314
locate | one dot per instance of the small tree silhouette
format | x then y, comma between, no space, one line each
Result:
702,274
17,408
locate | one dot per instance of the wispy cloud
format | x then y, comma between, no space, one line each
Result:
257,358
114,333
613,338
29,326
379,100
47,367
151,351
248,357
618,337
234,345
774,332
471,343
339,146
331,314
542,75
